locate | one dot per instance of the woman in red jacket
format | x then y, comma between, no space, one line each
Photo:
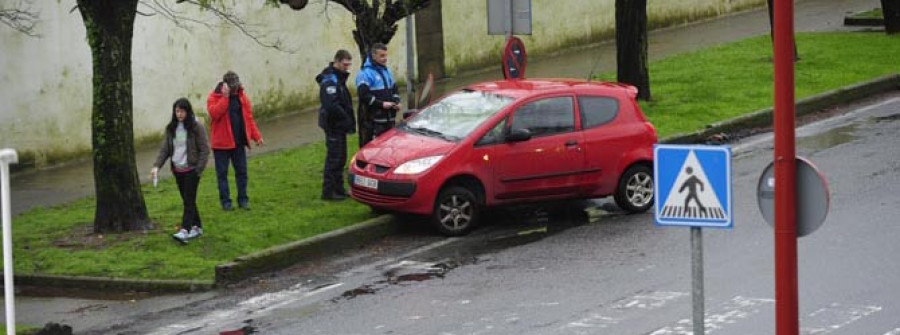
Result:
232,128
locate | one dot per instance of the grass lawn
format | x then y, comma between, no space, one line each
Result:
20,329
874,14
689,92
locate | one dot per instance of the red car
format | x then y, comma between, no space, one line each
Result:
507,142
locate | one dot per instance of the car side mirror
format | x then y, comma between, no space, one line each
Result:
410,113
518,135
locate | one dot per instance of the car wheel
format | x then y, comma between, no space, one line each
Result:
455,211
635,191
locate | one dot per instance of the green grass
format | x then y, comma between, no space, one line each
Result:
689,92
20,329
284,189
874,14
692,90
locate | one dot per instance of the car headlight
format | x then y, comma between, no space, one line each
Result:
417,165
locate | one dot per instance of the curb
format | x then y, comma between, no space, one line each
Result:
285,255
805,106
114,284
863,21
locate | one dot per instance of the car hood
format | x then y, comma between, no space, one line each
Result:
397,147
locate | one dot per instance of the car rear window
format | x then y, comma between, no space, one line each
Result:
597,111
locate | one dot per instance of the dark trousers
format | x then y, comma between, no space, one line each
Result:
187,186
238,158
382,121
335,162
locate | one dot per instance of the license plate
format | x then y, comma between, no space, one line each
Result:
365,182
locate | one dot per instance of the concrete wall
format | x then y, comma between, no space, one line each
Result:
559,23
45,100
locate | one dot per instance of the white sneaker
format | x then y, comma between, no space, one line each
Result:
195,232
181,236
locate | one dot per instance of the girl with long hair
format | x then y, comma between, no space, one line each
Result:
187,145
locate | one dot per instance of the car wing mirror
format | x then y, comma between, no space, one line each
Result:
518,135
410,113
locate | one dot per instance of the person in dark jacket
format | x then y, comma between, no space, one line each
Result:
336,119
232,128
378,94
187,145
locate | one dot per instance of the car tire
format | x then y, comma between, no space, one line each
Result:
456,211
634,193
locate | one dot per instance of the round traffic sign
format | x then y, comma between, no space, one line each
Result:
812,196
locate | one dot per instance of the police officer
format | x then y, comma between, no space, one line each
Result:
336,119
378,93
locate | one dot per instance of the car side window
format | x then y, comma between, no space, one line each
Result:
546,117
597,111
493,136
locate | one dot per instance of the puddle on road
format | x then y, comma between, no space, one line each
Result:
887,118
829,139
508,227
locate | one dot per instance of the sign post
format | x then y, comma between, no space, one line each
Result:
7,156
693,189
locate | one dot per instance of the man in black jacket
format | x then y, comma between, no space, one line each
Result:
336,119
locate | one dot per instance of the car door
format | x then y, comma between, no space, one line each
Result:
604,141
550,163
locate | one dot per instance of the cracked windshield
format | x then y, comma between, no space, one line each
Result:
457,115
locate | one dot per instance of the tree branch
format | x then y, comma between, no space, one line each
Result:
223,13
21,18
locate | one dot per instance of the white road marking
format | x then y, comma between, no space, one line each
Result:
834,317
244,308
621,310
732,311
893,332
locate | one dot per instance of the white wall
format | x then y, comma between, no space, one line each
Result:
45,105
557,23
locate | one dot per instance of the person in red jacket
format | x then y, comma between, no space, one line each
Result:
232,128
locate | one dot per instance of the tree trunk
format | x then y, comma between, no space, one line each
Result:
771,6
120,203
631,45
891,10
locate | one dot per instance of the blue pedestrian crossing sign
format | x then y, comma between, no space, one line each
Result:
693,185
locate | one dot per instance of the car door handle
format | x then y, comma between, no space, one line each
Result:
571,143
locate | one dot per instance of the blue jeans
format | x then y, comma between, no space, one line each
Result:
238,158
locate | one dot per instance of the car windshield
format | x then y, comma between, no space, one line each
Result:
457,115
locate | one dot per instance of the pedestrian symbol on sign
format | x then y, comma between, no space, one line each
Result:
691,181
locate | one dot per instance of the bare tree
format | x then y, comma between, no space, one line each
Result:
376,22
109,26
631,45
20,17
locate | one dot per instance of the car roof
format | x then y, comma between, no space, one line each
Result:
518,88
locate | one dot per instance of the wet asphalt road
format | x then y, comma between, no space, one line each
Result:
585,268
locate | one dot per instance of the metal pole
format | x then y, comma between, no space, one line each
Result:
7,156
697,274
410,64
786,301
509,23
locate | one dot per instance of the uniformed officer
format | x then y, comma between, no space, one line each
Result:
336,119
378,93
